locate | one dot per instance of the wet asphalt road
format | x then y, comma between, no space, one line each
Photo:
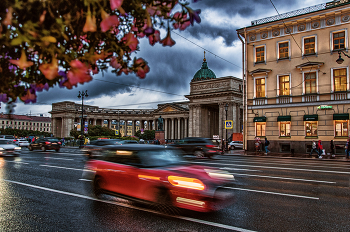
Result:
43,191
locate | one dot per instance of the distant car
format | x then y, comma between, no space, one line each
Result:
11,137
95,146
22,143
236,145
7,147
45,144
197,146
158,176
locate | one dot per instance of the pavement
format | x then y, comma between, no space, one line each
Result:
261,154
337,157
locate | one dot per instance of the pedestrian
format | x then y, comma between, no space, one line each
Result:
267,143
347,148
319,148
313,148
332,149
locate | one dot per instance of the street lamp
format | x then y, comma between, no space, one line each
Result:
341,60
226,108
82,95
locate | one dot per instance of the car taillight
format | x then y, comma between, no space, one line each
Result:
59,143
210,146
47,143
185,182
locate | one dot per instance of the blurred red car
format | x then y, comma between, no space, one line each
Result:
159,175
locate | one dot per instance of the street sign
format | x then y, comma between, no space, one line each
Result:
216,137
85,130
78,127
86,124
116,132
228,124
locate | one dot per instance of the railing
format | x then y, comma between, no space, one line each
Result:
259,102
284,100
310,98
302,11
340,96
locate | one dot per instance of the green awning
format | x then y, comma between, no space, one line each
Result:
284,118
259,119
340,116
311,117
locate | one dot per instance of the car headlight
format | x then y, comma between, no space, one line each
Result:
18,148
1,149
185,182
219,174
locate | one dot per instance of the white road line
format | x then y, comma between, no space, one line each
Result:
85,180
16,162
279,168
133,207
283,178
44,165
56,158
274,193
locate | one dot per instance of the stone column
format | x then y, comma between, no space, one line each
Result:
178,128
54,127
185,128
190,121
94,121
172,128
222,115
166,128
234,118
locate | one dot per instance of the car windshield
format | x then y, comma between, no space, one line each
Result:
5,142
160,158
53,140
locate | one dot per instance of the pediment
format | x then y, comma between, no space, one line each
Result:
168,109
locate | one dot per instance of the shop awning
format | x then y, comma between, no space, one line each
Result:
311,117
259,119
340,116
284,118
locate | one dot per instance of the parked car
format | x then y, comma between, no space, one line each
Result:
158,176
22,143
236,144
45,144
200,147
7,147
95,146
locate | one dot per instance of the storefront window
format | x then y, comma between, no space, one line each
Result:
341,128
311,129
285,129
260,128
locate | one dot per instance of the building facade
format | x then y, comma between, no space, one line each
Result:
295,90
24,122
211,101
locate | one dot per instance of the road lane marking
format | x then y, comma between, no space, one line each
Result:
279,168
50,166
274,193
16,162
57,158
278,177
214,224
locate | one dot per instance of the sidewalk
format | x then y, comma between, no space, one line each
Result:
288,155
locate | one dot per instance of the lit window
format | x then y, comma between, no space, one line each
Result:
341,128
340,83
310,82
260,128
309,45
284,85
283,50
311,129
260,87
339,40
260,54
285,129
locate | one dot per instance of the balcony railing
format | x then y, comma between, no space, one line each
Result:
310,98
283,100
259,102
302,11
340,96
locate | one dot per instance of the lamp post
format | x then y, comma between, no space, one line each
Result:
82,95
341,60
226,108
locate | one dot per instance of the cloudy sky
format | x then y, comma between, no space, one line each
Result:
172,68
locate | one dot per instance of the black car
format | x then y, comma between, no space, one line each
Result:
45,144
200,147
95,146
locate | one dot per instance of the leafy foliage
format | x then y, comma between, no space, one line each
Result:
23,133
147,134
64,42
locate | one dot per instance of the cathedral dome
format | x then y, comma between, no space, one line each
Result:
204,73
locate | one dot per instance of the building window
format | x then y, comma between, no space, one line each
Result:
260,87
339,40
260,128
310,82
340,83
284,85
260,54
283,49
341,128
285,129
311,129
309,46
